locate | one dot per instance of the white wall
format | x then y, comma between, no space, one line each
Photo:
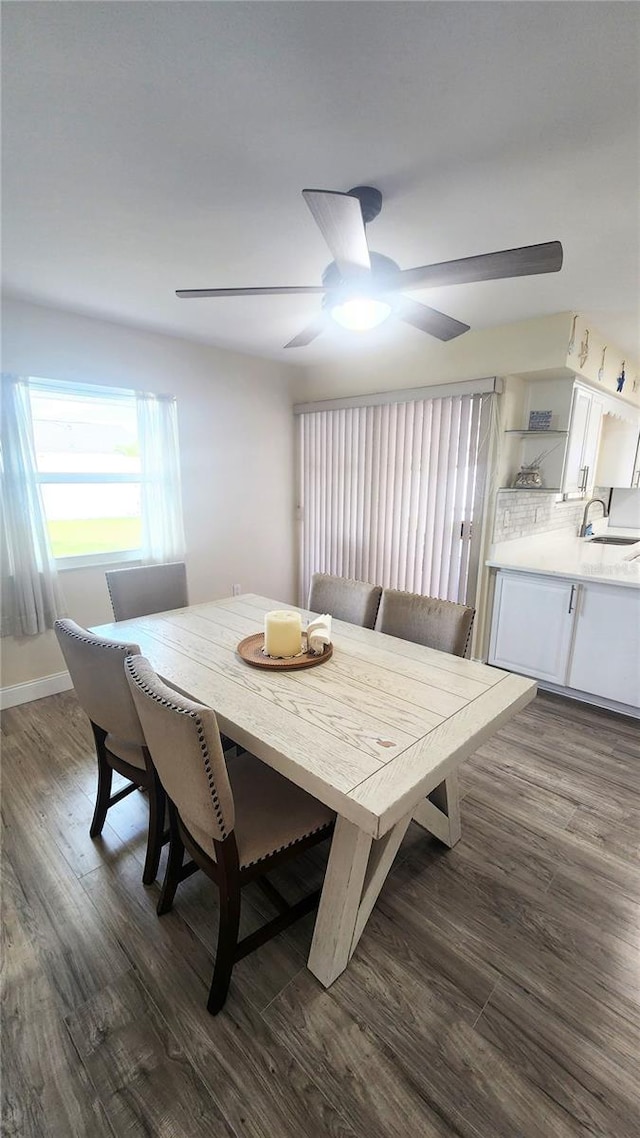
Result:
236,443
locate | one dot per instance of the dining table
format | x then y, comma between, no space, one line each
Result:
377,732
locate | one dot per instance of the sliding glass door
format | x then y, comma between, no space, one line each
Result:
392,493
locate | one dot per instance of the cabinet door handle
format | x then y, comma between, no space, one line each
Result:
571,596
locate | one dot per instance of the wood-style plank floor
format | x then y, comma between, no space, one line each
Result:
495,992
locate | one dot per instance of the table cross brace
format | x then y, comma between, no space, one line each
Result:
357,869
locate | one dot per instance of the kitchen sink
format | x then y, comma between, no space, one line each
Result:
604,540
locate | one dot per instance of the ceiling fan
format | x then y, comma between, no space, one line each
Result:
359,288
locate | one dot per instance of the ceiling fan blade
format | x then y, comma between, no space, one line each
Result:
339,218
522,262
190,293
430,320
307,334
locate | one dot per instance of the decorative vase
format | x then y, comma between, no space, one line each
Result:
528,478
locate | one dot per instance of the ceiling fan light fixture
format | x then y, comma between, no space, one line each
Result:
361,313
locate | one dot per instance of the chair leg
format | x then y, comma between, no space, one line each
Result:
173,872
105,775
157,800
226,950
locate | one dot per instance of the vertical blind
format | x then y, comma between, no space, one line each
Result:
388,493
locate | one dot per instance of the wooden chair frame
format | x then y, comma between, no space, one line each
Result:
145,778
230,878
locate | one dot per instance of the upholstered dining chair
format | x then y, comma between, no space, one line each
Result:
426,620
147,589
354,601
96,667
236,822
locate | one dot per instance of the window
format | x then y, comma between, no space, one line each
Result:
89,470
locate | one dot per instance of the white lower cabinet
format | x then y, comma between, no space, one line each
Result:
605,660
578,635
532,625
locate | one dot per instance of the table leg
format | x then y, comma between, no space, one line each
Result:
381,859
439,812
356,872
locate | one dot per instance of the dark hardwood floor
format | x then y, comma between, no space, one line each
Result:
495,992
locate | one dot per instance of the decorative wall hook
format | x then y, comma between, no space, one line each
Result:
584,349
572,340
621,377
601,368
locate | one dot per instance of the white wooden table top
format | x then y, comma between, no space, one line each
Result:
369,732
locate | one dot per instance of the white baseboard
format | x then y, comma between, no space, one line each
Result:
34,689
582,696
594,700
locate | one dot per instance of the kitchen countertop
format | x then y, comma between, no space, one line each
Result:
565,555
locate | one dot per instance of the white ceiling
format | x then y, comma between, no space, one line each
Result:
155,146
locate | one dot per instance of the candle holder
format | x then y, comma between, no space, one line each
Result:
251,650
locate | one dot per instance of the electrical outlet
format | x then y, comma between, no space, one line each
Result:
506,517
537,515
236,590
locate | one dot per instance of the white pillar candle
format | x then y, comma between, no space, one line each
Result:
282,633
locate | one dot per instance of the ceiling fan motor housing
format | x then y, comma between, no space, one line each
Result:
380,266
370,201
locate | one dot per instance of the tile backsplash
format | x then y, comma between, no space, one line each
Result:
527,512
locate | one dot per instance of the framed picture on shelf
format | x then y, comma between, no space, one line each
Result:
540,420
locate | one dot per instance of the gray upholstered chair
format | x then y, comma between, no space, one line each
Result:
426,620
236,822
96,667
354,601
147,589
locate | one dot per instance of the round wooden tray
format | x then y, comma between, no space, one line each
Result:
250,650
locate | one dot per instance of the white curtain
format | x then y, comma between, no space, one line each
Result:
162,530
31,597
388,494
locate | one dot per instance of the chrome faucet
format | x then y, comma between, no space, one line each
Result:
585,524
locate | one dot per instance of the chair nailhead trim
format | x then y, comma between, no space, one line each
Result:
94,641
148,691
468,640
287,845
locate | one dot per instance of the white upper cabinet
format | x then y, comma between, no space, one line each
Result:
573,473
593,438
619,458
581,456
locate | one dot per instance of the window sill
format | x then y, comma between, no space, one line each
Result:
99,560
